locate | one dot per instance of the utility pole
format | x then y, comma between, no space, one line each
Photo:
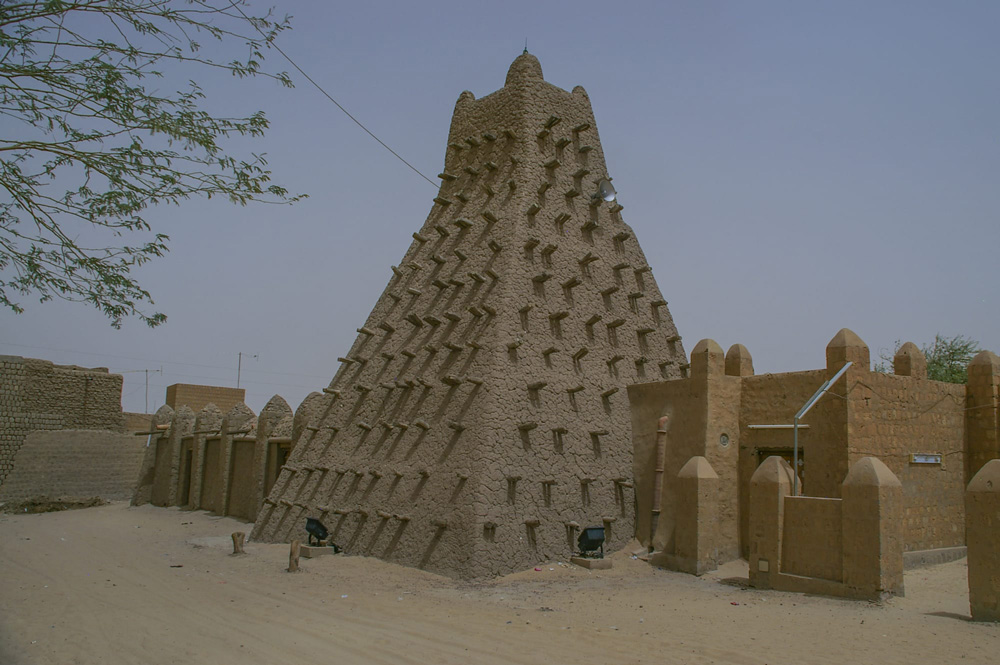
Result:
239,364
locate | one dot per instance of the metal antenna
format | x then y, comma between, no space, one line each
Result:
525,44
146,371
239,364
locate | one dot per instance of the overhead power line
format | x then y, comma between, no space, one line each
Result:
330,97
158,360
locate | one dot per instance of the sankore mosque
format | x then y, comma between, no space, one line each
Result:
521,378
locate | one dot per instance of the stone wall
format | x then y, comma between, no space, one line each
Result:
75,464
39,395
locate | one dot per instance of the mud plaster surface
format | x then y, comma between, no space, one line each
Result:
480,418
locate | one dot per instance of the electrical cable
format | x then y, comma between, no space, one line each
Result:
153,360
330,97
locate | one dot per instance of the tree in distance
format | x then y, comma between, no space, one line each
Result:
948,358
89,141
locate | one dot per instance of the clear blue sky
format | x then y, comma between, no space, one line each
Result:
790,168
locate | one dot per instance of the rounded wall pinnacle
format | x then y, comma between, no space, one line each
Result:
844,346
909,361
738,361
986,364
871,471
987,479
525,68
707,358
163,415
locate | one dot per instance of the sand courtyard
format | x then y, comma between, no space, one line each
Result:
115,584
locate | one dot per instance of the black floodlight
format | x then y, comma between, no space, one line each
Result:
316,530
591,539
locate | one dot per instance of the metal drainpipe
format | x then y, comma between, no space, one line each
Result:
661,458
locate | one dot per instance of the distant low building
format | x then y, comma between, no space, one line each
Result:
198,397
37,395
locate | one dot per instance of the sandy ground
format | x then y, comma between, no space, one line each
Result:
149,585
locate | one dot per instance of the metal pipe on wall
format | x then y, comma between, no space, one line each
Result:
661,460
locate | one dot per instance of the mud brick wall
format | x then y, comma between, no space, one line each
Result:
812,537
137,422
480,418
76,464
39,395
242,496
773,399
702,420
982,504
198,397
850,547
893,417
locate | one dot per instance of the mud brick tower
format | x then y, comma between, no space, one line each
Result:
480,418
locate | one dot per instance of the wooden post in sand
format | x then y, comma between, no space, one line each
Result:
238,538
293,556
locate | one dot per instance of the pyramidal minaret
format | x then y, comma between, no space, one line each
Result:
479,420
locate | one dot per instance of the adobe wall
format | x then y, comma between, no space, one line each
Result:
983,415
812,542
211,483
211,461
894,417
242,499
925,431
39,395
197,397
158,426
773,399
685,439
137,422
851,547
982,501
702,420
75,464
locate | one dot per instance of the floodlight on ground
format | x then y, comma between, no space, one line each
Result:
316,530
591,539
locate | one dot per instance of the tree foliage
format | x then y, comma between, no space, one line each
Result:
89,141
948,358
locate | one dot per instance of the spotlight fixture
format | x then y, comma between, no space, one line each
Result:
591,539
605,191
316,530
